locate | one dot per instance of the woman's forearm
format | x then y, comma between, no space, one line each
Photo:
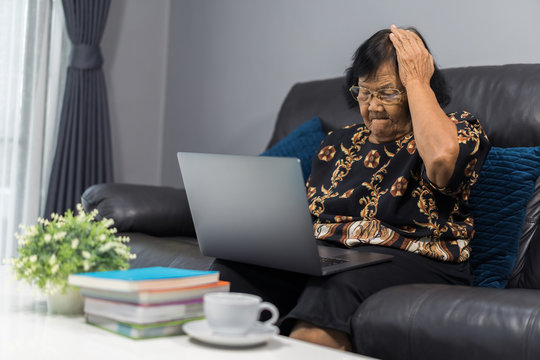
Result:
435,134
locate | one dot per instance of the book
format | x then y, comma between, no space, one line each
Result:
144,314
136,331
158,296
140,279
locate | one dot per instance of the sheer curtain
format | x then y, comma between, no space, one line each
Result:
34,48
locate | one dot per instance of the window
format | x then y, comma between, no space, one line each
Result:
33,51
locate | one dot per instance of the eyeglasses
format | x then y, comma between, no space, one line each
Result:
386,96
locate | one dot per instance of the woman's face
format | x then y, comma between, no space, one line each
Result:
386,122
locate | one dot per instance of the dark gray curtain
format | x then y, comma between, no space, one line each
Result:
83,154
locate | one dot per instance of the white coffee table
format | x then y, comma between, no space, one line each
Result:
28,332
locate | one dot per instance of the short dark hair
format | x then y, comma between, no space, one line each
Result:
376,51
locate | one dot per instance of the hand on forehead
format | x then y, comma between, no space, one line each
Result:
414,60
402,35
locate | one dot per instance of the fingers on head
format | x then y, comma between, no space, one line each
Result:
398,45
416,39
403,38
396,40
410,40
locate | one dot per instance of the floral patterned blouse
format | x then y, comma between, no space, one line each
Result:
379,194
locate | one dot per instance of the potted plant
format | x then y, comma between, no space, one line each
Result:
53,249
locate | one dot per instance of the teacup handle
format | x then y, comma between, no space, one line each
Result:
272,309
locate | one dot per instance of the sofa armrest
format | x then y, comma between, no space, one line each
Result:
153,210
449,322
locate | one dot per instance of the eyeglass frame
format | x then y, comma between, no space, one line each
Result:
376,94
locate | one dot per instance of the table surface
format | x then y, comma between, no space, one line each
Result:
27,331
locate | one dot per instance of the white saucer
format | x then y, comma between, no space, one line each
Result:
200,330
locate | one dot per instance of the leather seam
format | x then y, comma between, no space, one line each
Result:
412,317
529,333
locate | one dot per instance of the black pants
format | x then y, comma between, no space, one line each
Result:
331,301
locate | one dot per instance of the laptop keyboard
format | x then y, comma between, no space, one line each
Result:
326,261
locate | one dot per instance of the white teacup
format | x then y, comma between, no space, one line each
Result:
230,313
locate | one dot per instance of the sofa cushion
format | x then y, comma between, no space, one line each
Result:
179,252
153,210
498,203
526,273
302,143
436,321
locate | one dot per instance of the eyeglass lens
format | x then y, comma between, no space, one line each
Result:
387,96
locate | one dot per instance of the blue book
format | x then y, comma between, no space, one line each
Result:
150,278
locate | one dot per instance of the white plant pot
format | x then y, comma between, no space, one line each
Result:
70,303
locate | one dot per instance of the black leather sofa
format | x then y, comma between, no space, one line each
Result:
404,322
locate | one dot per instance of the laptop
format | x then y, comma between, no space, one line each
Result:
254,210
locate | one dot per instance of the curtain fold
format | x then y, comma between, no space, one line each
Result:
83,155
35,45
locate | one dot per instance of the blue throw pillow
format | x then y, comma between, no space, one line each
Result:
498,203
302,143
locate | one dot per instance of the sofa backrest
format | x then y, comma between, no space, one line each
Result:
505,98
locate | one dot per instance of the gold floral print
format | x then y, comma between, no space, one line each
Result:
470,167
342,167
347,194
407,228
426,246
388,153
399,187
404,140
426,206
418,225
341,218
311,191
372,232
327,153
372,159
458,231
411,147
371,203
316,207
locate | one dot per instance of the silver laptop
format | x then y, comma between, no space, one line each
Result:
254,210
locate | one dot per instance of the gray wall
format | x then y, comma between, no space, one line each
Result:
230,63
134,46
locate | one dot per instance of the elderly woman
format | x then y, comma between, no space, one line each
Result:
397,184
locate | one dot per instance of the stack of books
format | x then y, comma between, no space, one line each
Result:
145,302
